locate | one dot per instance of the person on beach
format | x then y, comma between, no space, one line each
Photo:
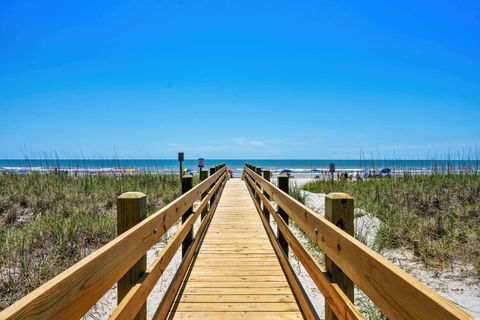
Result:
358,177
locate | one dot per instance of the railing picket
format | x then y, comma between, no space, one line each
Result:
212,172
187,184
283,181
258,171
267,174
204,176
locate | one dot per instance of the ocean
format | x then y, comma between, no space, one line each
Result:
170,165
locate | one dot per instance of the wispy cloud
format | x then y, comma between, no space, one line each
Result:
248,142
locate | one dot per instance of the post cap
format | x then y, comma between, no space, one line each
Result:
132,195
339,195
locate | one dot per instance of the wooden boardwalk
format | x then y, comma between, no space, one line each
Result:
236,274
234,266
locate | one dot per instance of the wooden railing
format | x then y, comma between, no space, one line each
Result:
397,294
72,293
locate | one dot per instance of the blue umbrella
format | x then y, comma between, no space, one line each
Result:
315,170
386,170
286,171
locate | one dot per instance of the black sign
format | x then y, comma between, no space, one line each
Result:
332,167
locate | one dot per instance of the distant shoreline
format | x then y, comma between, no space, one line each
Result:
296,166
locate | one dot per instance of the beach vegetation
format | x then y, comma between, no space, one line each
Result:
49,222
441,211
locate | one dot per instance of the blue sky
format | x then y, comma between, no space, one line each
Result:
239,79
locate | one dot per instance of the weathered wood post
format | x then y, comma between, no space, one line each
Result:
187,184
204,176
339,211
416,248
212,172
267,174
258,171
283,185
131,209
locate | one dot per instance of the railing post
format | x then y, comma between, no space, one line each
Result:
258,171
283,185
204,176
254,169
131,209
267,174
212,172
187,184
339,211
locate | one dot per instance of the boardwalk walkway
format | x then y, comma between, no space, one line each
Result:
236,274
234,266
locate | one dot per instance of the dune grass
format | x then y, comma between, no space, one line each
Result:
440,210
49,222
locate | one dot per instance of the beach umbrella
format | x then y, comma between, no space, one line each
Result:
286,171
386,170
315,170
230,171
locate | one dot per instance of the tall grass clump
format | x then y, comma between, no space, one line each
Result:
49,222
441,210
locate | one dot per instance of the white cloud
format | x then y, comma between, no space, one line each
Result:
248,142
257,143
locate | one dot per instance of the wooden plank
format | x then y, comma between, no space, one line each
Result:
240,266
238,291
238,298
371,272
220,273
241,284
237,306
236,278
241,315
73,292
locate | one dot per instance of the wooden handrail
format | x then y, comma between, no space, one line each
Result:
136,297
73,292
300,295
395,292
334,296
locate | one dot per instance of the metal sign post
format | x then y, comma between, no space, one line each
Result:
332,171
180,160
201,164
